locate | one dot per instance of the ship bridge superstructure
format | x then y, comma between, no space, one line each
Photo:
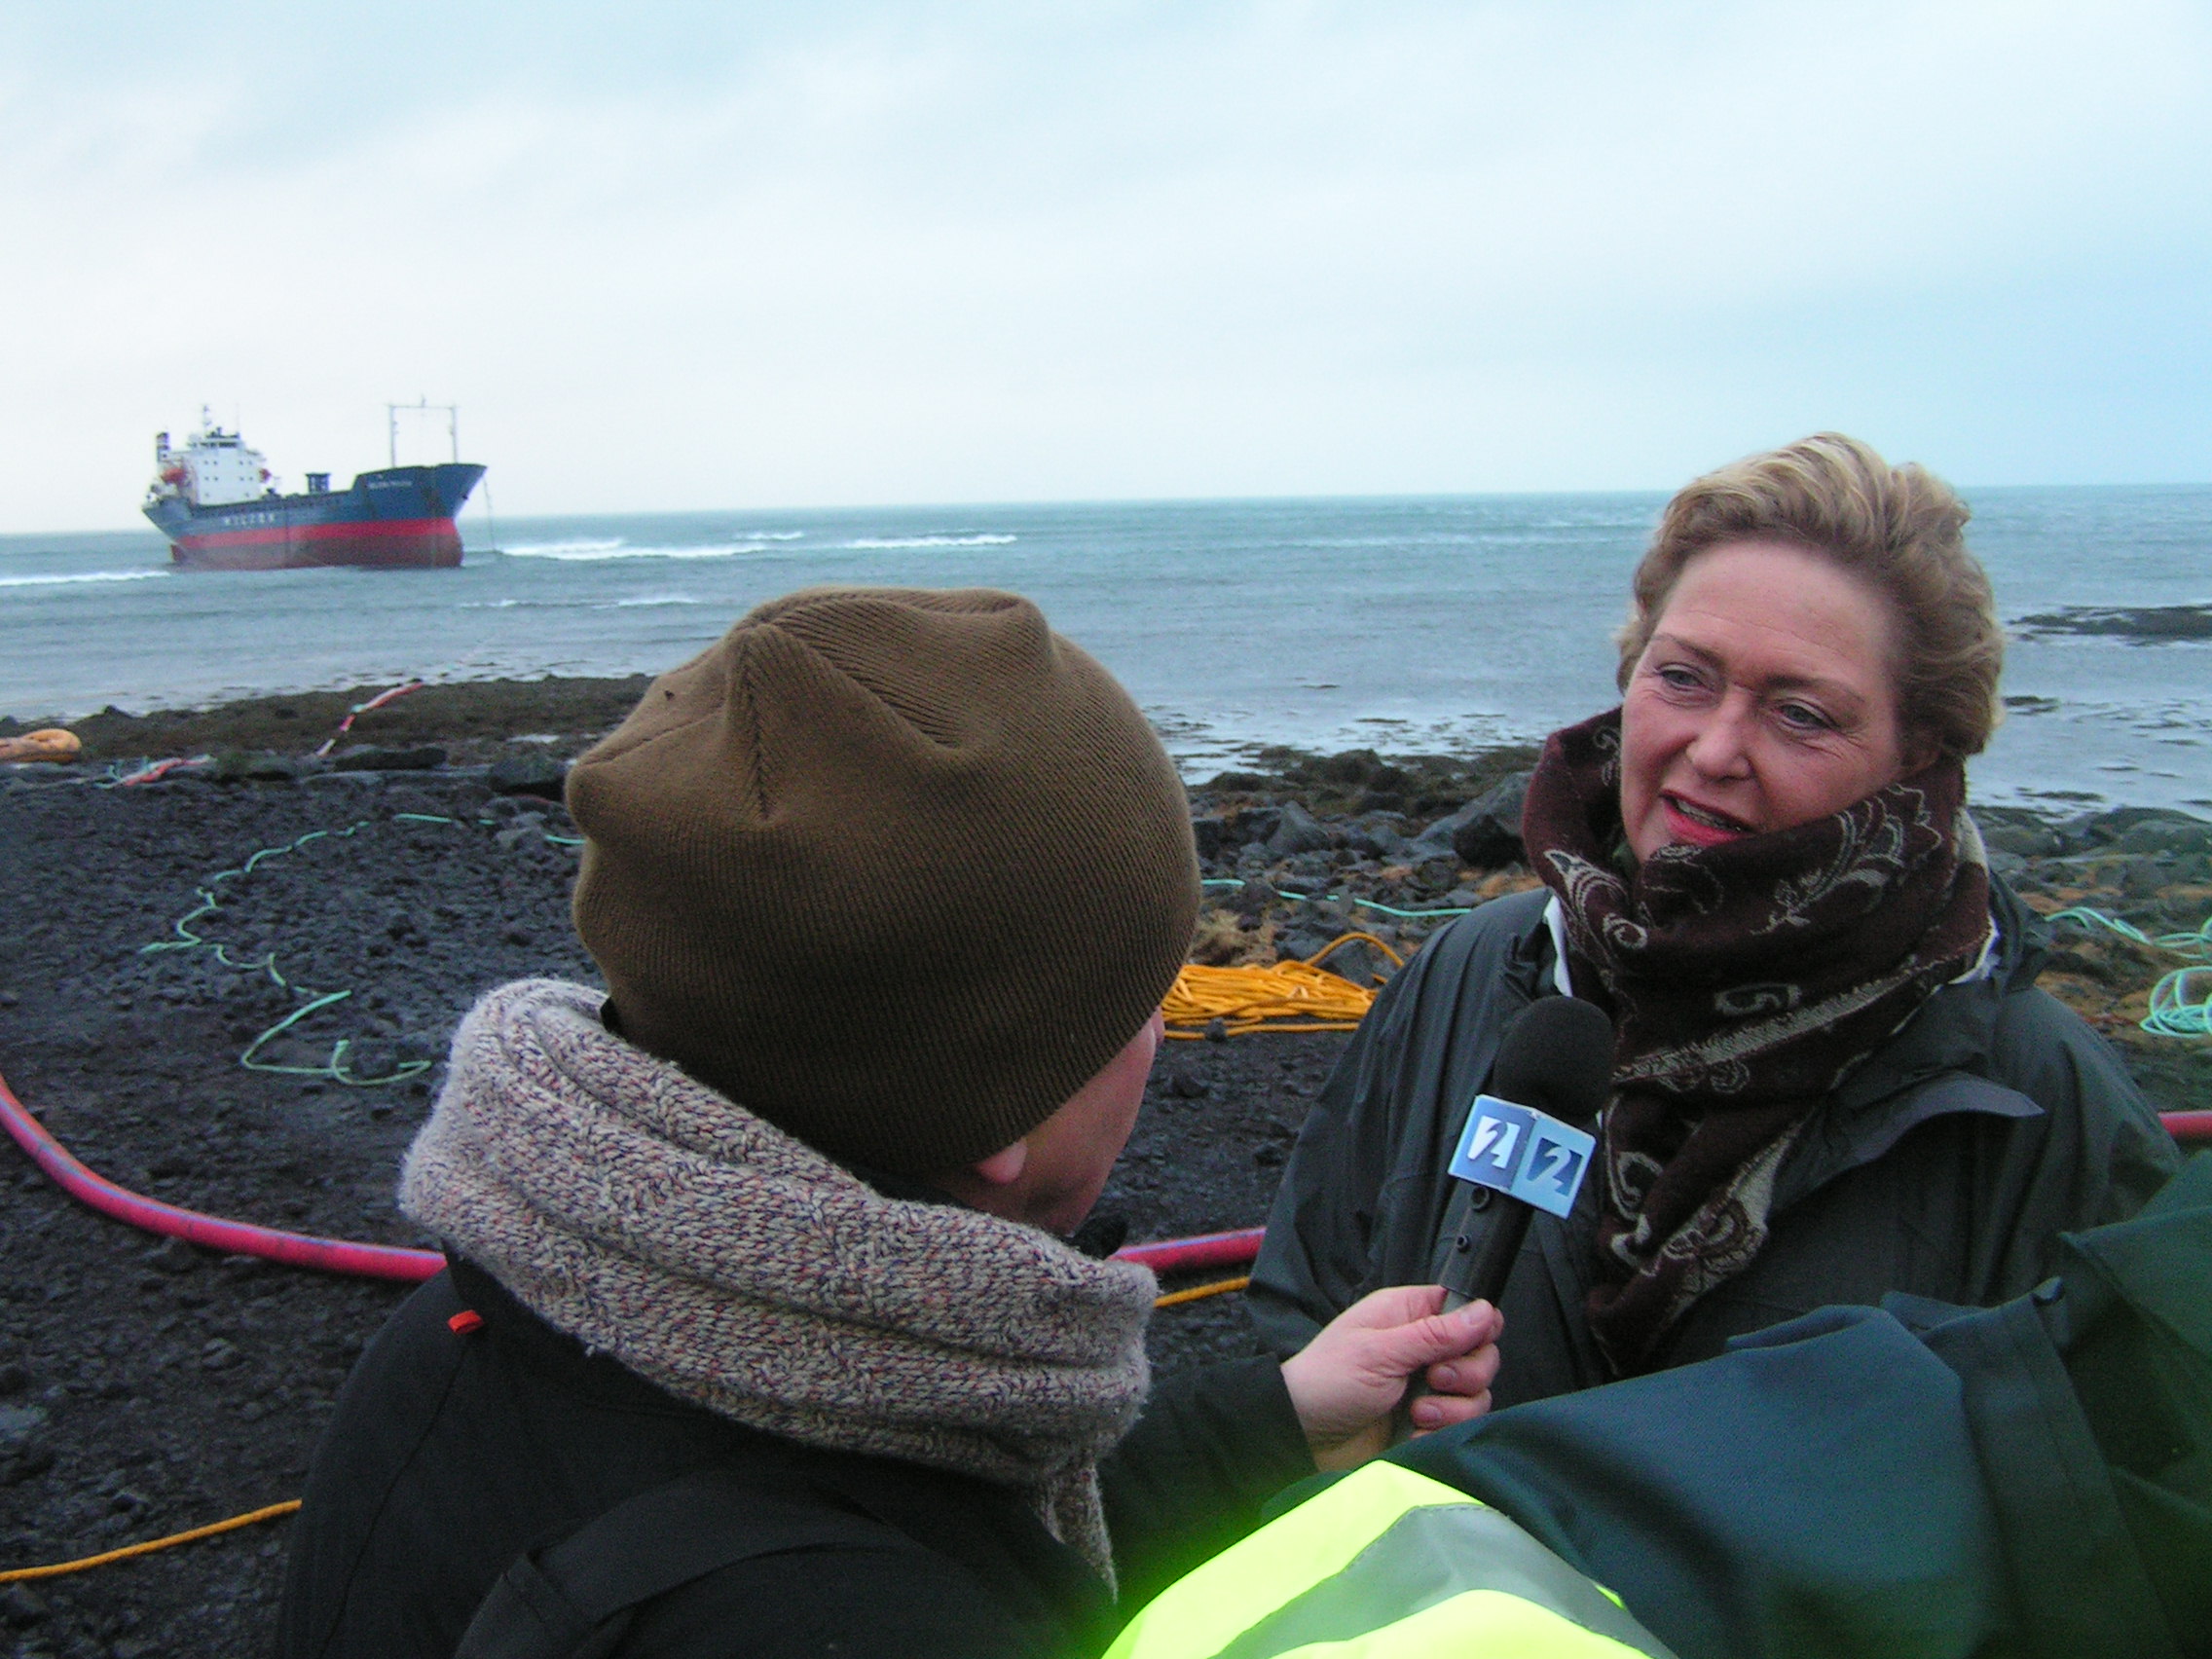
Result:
214,469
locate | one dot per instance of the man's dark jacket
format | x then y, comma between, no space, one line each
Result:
1919,1481
453,1450
1944,1167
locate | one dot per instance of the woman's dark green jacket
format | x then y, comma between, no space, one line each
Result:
1944,1167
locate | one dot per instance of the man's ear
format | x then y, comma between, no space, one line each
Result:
1004,1166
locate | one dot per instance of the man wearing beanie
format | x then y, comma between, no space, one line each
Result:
760,1335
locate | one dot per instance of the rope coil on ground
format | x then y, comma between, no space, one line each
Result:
1281,996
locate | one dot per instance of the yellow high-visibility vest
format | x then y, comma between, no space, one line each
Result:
1387,1563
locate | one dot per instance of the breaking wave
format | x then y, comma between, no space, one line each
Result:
595,552
881,542
80,577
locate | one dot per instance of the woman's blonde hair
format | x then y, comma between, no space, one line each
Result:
1898,528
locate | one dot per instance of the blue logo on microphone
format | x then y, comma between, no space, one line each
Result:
1523,1153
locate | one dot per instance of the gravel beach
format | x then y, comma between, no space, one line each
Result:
146,1387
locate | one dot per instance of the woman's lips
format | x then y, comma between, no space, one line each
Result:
1701,826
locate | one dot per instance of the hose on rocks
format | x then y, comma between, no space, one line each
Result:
2176,1010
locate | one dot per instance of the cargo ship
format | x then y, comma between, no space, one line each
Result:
222,509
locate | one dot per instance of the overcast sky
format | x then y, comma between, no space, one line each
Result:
745,255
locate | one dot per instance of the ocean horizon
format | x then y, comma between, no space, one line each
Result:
1404,624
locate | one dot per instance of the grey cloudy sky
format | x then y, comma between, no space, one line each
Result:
730,255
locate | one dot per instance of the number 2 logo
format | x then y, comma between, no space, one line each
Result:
1493,1130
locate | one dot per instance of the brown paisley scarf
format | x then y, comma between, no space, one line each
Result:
1745,981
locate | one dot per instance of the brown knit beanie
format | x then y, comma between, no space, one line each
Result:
897,869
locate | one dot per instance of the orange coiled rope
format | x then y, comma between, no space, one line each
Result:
1281,996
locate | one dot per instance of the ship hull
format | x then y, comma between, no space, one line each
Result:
398,518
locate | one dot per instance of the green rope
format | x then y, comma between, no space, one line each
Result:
2174,1012
335,1068
1338,899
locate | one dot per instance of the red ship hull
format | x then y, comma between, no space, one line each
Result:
385,545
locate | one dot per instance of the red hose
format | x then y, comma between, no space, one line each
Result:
2188,1129
233,1237
392,1262
1185,1255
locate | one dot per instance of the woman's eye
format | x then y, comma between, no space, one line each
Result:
1674,674
1804,718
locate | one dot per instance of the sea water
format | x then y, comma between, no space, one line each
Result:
1406,625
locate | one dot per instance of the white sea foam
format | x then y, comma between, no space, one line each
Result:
80,577
881,542
562,549
595,552
773,535
649,600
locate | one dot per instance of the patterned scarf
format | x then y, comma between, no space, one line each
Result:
705,1250
1745,981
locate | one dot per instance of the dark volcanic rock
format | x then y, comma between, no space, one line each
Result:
1296,831
366,757
2142,624
1488,836
528,774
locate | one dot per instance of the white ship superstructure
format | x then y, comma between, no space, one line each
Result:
213,470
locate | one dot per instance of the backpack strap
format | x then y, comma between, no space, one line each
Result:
575,1597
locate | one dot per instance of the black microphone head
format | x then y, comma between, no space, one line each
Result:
1557,1055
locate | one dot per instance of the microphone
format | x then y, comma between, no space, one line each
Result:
1526,1147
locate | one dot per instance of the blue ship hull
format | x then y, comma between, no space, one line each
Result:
400,517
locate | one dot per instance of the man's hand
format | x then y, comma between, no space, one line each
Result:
1348,1381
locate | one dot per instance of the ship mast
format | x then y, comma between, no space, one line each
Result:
422,405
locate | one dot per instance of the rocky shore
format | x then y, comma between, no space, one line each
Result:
146,1387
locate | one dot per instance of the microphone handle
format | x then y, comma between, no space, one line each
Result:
1478,1267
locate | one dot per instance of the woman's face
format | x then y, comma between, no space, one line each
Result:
1766,698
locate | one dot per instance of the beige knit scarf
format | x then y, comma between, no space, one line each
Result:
647,1216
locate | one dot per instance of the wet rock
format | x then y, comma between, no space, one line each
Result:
172,1256
372,1059
22,1607
1488,827
528,774
1377,837
25,1451
1254,898
1256,825
2023,840
1489,832
1207,834
240,765
1184,1086
219,1354
2178,835
1296,831
367,757
2139,623
2109,828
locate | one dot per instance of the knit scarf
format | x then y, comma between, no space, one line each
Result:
1745,981
705,1250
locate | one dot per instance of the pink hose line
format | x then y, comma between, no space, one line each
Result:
211,1231
392,1262
1187,1254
